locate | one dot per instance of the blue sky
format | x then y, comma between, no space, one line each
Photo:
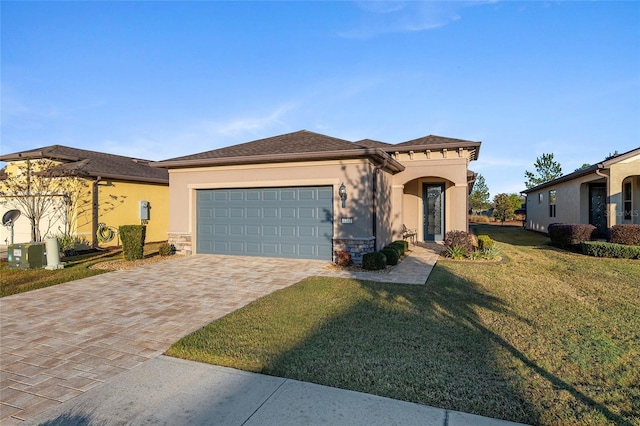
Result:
157,80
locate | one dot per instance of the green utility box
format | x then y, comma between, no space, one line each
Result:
27,255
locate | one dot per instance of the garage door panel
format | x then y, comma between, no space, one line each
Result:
282,222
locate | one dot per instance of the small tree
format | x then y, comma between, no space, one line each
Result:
39,191
505,205
479,198
584,166
547,169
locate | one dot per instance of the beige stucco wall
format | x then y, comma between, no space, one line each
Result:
572,204
423,167
624,171
356,175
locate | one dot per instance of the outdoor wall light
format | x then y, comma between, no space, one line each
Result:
342,191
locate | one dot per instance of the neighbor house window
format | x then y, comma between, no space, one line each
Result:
540,197
552,203
626,200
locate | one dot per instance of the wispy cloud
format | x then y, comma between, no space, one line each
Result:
383,17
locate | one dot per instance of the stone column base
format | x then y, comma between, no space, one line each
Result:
182,242
356,247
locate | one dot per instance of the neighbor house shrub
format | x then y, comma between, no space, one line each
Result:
570,235
602,249
166,249
374,261
625,234
460,240
485,242
391,254
132,237
344,258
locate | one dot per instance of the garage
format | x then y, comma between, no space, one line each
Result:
291,222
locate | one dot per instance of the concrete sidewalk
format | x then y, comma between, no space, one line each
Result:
170,391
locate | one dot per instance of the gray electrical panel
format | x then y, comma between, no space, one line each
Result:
144,210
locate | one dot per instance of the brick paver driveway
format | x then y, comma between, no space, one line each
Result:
58,342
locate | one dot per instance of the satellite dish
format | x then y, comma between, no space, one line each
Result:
9,218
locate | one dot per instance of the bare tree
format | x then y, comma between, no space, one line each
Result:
38,190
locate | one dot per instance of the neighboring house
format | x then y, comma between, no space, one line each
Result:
111,189
280,196
605,194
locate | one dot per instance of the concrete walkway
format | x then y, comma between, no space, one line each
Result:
65,343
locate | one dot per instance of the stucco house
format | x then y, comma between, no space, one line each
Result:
281,196
603,195
111,189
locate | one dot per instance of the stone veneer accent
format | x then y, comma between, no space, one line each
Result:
182,242
356,247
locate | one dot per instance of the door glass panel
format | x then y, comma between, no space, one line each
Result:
433,214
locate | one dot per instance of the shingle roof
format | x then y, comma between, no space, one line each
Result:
434,140
370,143
304,145
80,162
290,143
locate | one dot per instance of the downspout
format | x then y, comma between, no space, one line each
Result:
607,200
94,213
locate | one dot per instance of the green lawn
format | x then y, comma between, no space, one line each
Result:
544,337
13,280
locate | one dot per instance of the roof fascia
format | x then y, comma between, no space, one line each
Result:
436,146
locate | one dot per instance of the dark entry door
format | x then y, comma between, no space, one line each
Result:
598,207
433,202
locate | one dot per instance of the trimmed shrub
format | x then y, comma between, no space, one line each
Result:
166,249
398,247
403,243
570,235
461,239
132,237
602,249
625,234
485,242
374,261
344,258
391,254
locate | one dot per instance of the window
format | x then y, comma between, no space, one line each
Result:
540,197
552,203
626,200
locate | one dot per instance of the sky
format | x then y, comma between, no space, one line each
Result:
158,80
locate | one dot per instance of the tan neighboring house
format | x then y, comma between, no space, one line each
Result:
112,186
281,196
603,195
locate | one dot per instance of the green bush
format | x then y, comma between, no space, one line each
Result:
166,249
625,234
403,243
485,242
133,237
397,247
602,249
374,261
391,254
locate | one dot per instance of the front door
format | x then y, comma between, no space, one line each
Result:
433,202
598,208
